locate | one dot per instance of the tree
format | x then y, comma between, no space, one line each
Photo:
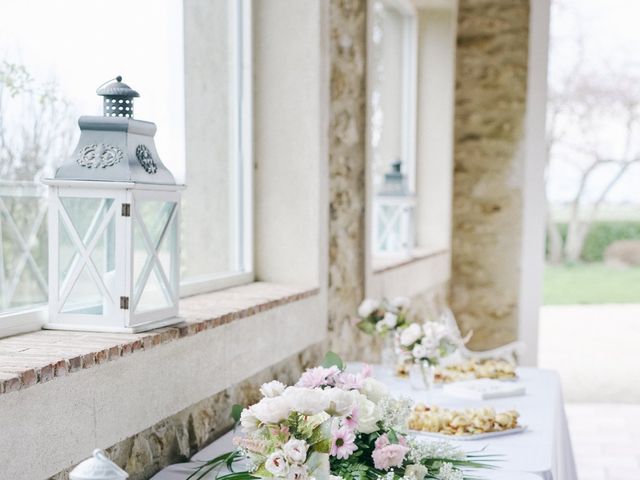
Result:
36,129
593,126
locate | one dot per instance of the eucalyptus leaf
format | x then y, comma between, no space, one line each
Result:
332,359
236,411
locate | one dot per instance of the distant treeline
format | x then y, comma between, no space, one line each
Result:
602,234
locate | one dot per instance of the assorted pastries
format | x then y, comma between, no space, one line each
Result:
470,421
492,368
469,370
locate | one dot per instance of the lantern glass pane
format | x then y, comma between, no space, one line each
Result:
85,297
154,295
86,229
154,236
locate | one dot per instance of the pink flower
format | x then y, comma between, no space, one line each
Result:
387,454
349,381
318,377
351,420
367,371
343,443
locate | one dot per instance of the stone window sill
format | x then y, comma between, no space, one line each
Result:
384,264
409,276
38,357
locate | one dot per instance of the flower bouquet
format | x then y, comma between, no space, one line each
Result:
334,425
422,347
377,317
384,319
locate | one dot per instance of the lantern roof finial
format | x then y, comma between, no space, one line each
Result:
116,89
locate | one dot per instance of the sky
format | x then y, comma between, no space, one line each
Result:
611,41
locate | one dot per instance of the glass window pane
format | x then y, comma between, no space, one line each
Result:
392,126
23,245
211,203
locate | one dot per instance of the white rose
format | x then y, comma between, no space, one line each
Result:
419,351
368,414
339,402
271,410
410,335
416,471
249,421
295,451
272,389
390,320
374,390
380,327
297,472
434,330
276,464
308,401
400,303
367,307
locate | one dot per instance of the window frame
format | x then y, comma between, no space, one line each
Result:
33,317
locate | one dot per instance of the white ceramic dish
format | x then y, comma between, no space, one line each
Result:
476,436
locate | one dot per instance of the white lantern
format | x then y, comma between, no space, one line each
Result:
394,212
113,226
98,467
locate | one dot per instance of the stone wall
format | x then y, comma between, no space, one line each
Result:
177,438
347,125
491,83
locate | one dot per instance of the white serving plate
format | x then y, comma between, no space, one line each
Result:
475,436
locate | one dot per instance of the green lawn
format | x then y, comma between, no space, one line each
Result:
591,283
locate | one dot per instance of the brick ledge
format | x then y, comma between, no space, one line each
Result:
41,356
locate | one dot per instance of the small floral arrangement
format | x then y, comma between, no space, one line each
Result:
428,342
335,425
382,317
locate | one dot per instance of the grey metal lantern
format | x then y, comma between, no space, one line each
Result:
113,226
394,214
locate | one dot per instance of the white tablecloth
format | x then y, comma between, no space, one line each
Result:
542,451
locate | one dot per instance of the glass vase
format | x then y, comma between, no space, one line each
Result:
422,376
388,352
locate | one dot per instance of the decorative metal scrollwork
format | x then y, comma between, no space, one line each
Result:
100,155
146,159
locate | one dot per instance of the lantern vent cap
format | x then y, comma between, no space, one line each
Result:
395,182
98,467
116,88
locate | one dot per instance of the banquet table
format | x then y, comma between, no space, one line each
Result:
542,451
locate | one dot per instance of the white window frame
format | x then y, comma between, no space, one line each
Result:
241,164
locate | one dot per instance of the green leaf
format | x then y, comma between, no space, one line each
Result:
236,410
332,359
323,446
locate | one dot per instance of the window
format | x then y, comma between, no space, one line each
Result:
393,124
190,61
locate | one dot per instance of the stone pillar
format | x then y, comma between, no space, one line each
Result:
346,172
491,96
